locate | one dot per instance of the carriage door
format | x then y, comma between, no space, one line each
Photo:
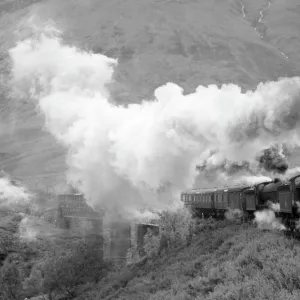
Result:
285,200
225,200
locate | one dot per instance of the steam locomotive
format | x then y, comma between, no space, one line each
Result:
283,196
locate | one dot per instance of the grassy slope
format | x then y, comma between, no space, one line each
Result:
222,263
186,42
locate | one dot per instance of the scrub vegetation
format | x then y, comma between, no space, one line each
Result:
190,259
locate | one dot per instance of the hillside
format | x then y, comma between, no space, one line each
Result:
222,260
187,42
225,261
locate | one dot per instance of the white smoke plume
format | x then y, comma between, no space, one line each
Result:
266,219
290,173
143,216
123,156
13,196
274,206
252,180
32,228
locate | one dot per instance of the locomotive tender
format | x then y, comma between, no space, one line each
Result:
284,196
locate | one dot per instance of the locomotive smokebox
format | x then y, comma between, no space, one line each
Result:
268,192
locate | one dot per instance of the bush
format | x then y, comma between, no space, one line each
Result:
177,229
65,269
10,282
151,243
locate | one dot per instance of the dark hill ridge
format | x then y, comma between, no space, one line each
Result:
186,42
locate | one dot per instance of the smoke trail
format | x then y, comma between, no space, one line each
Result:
120,156
252,180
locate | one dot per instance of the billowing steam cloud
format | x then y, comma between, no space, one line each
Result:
266,219
31,228
274,159
126,155
13,196
271,160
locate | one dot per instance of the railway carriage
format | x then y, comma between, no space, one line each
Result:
215,202
200,201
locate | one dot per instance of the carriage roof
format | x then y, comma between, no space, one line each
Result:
237,189
200,191
217,190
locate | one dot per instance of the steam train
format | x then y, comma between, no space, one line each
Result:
284,195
